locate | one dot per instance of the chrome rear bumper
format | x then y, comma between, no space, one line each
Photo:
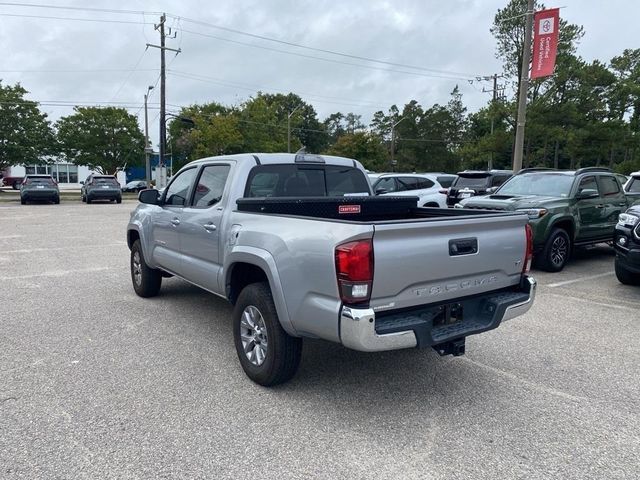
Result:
358,326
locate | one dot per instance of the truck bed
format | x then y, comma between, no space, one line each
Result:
354,209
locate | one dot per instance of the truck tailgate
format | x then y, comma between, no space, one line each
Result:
419,263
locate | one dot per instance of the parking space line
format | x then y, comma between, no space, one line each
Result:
76,247
528,383
576,280
593,302
59,273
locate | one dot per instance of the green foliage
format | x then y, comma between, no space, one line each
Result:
105,139
362,146
26,136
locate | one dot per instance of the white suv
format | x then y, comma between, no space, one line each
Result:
424,186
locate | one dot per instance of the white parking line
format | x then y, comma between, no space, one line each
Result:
59,273
581,279
45,249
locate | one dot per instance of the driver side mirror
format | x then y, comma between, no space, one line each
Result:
491,190
82,182
587,193
149,196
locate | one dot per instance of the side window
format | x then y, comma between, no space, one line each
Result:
609,186
588,183
425,183
388,184
498,180
634,186
210,185
178,189
407,183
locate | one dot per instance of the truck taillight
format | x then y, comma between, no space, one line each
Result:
354,270
528,256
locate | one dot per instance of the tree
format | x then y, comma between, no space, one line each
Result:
106,139
26,136
362,146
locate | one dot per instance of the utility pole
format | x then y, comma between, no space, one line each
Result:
163,75
494,91
147,148
523,90
289,128
393,144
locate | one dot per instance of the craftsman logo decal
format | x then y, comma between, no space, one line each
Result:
348,209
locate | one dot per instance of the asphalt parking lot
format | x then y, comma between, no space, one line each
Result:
98,383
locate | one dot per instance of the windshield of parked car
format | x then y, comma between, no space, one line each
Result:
292,180
471,181
541,184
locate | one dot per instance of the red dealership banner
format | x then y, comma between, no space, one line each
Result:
545,42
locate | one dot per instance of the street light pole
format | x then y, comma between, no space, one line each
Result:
393,144
147,149
289,128
524,89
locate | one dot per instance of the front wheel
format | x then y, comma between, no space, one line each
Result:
119,200
625,276
556,251
146,280
268,355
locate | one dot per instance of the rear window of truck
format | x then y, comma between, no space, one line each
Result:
471,181
290,180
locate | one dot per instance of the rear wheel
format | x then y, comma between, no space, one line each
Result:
625,276
146,280
89,200
556,251
267,354
119,200
23,201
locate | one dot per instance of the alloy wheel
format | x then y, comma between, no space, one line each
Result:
253,334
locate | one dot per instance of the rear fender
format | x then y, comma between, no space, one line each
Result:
265,261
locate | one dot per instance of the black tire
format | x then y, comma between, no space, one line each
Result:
89,200
556,251
625,276
56,200
283,352
146,280
84,199
23,201
119,200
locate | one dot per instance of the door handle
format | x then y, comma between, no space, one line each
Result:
599,206
210,227
175,222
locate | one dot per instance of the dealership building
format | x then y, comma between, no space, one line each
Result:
68,175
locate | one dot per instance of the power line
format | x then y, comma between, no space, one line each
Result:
96,20
129,75
82,9
329,60
85,70
255,88
322,50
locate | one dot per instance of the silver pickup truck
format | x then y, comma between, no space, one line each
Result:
301,248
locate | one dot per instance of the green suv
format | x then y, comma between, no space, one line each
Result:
565,208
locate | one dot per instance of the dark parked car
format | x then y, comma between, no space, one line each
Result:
476,182
135,186
101,187
627,245
41,188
